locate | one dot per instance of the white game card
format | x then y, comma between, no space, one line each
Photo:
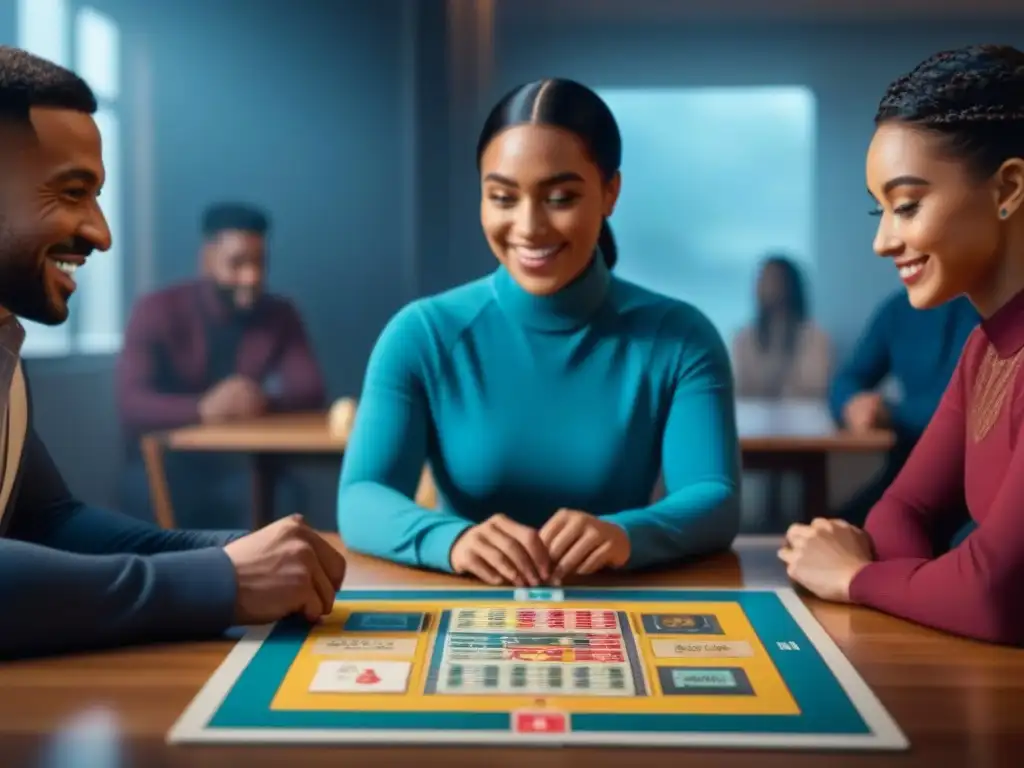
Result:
361,677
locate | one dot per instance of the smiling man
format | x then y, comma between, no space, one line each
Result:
67,222
72,576
215,349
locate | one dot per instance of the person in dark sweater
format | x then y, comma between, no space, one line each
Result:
946,167
215,349
74,577
920,350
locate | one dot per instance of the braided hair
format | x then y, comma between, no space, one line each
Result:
972,96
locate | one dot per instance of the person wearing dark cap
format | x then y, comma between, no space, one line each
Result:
212,350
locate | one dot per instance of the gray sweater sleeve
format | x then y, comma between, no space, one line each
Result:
73,577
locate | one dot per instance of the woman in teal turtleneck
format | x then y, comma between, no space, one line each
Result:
547,396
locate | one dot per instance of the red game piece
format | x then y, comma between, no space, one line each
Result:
367,677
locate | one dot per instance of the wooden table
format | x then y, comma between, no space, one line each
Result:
262,439
795,436
958,702
799,436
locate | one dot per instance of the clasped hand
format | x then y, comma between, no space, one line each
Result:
235,397
502,551
825,556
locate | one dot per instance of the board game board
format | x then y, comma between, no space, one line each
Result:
643,667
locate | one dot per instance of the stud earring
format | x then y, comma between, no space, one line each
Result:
1003,213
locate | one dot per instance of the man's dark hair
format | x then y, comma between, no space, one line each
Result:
221,217
15,124
14,108
972,96
42,83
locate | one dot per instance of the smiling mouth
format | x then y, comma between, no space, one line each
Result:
66,262
908,269
533,256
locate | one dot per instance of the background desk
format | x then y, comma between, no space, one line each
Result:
957,701
793,436
800,437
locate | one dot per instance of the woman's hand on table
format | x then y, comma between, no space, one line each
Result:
581,544
825,556
502,551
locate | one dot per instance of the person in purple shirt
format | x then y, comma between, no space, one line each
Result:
215,349
74,577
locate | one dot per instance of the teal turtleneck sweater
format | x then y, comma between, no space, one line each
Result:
525,404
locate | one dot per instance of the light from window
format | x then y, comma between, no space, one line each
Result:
98,61
97,53
713,179
99,281
46,29
43,28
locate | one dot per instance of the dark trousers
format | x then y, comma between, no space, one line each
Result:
208,491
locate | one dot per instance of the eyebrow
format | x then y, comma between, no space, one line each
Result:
77,174
558,178
905,181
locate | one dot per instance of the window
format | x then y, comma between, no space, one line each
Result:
87,41
713,179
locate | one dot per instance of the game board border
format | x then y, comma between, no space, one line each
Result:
884,733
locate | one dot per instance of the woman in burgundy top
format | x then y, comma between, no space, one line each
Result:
946,167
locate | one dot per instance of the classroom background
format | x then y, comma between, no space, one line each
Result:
352,124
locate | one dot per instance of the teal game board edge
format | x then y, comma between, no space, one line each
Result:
838,710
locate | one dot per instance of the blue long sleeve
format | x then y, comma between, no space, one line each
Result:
74,577
867,366
523,405
909,417
377,513
919,349
701,462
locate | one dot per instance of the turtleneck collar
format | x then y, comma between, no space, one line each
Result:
1005,328
568,309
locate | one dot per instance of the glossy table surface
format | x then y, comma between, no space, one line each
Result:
960,703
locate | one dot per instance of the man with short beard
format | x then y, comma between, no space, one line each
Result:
71,576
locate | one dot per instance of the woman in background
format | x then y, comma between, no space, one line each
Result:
946,167
783,355
546,396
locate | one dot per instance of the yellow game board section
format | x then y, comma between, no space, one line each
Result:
771,695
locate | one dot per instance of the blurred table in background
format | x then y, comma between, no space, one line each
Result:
796,436
261,438
799,436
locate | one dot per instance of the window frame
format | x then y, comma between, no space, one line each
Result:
76,340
